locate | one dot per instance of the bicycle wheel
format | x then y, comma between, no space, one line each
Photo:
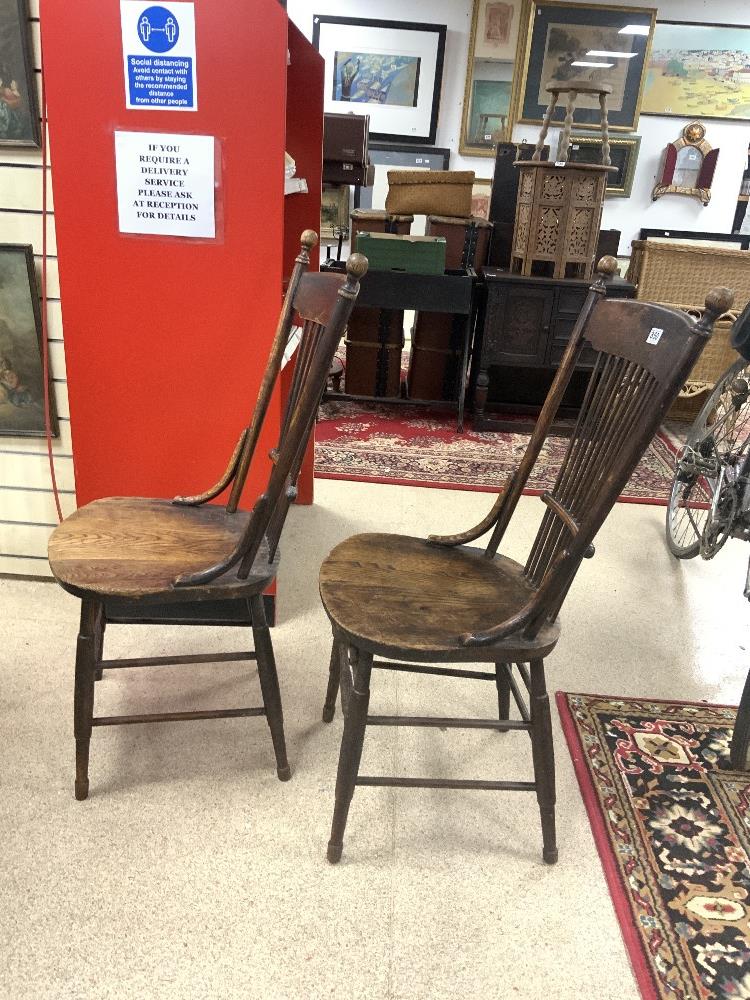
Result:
720,429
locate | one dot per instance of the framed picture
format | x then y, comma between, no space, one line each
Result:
699,71
598,43
334,210
395,156
481,193
392,69
623,152
21,373
19,111
491,75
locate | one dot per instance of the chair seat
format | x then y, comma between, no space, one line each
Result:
134,547
395,595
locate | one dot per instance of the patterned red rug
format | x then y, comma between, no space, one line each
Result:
417,447
673,834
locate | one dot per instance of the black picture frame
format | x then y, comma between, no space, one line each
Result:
586,20
403,156
623,154
19,108
433,86
21,365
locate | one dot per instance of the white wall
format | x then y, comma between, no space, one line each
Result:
627,215
27,509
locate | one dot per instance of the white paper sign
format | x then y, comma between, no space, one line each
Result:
165,183
158,49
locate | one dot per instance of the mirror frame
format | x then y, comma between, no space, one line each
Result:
693,136
465,146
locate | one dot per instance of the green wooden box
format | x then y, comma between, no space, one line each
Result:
416,254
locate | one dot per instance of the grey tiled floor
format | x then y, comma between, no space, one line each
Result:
192,872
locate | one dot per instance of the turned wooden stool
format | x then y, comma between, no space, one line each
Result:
559,208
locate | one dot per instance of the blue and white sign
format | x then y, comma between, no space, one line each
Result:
158,47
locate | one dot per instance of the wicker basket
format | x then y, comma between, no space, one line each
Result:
717,356
675,272
429,192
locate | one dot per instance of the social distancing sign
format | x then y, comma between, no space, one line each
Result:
158,47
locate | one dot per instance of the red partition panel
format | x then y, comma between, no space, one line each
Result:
166,339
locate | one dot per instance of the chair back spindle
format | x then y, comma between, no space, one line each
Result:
642,356
323,303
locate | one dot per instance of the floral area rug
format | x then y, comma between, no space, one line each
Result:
418,447
673,833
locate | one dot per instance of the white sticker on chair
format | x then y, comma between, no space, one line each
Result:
655,336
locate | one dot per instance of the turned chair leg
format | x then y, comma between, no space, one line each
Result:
355,701
544,759
739,747
269,685
83,694
101,623
334,675
503,690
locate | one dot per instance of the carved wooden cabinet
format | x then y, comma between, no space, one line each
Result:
523,327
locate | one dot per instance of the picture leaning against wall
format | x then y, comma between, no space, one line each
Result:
699,71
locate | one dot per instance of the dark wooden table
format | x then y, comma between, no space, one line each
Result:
522,330
451,292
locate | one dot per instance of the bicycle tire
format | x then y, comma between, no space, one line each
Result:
684,535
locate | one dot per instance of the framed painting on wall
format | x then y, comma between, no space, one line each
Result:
491,75
21,369
19,111
623,154
699,71
392,69
600,44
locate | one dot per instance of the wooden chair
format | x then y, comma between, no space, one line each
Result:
151,552
441,601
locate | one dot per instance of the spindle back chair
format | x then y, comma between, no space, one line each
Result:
442,600
152,552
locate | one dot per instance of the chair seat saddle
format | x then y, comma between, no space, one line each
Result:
396,595
135,547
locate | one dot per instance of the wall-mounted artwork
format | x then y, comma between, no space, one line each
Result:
623,154
19,113
699,71
393,70
21,373
599,44
491,74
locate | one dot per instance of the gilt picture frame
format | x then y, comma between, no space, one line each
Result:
492,74
391,70
597,43
22,388
623,153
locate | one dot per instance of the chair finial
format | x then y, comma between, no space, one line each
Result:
720,300
308,240
356,266
607,266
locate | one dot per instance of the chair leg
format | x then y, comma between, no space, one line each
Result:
334,677
83,694
269,685
503,691
739,747
355,721
544,759
101,624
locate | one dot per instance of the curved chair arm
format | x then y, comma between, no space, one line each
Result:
501,631
204,576
471,536
222,484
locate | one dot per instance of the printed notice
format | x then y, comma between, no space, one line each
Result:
165,184
158,46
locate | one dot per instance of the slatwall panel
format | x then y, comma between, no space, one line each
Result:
27,508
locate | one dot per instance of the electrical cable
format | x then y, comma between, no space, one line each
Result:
45,342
